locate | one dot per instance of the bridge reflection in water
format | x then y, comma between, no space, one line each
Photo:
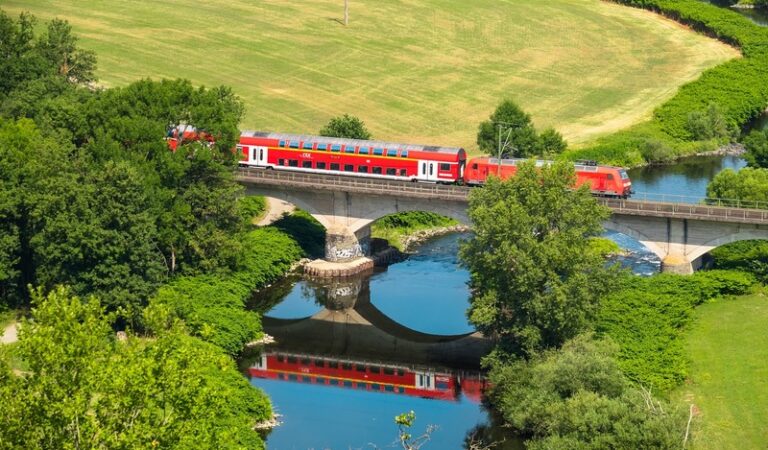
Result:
350,327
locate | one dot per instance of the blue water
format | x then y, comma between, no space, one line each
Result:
327,417
431,280
298,304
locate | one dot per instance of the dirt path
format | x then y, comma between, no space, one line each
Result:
9,334
275,210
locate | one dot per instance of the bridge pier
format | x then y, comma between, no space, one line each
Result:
342,244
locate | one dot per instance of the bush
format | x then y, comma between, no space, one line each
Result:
213,306
749,256
647,316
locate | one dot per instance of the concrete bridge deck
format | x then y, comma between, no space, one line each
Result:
679,233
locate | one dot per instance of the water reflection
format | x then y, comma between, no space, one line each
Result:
685,181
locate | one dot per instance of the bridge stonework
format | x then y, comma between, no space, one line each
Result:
679,234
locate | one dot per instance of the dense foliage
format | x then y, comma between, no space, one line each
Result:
213,306
85,389
647,316
346,126
749,256
704,112
756,144
533,280
577,397
509,131
746,188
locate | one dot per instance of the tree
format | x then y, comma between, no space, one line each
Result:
756,144
85,389
534,281
346,126
709,124
551,143
576,397
59,47
747,187
513,127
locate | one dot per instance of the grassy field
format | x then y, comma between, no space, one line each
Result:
414,70
728,347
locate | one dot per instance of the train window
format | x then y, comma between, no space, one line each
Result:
389,371
319,363
431,168
623,174
474,166
320,165
319,380
362,169
391,171
610,177
280,358
374,369
400,372
404,154
403,173
307,146
306,379
375,387
360,367
347,384
322,147
349,168
281,376
291,360
364,150
306,164
349,149
400,390
292,377
334,166
378,151
360,385
281,162
376,170
294,144
336,147
346,366
334,382
293,162
445,167
281,144
333,365
304,361
389,388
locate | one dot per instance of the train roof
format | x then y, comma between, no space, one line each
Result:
356,142
540,162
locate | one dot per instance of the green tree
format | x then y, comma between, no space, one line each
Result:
709,124
59,47
551,143
747,187
756,144
534,281
576,397
513,127
346,126
85,389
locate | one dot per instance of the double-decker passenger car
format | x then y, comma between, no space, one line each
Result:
355,157
606,181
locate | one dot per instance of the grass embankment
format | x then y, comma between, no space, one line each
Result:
415,71
728,349
738,88
395,228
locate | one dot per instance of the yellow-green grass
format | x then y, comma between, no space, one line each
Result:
728,383
422,71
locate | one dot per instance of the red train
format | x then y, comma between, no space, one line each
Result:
388,160
368,376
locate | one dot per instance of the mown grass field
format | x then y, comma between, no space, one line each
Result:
414,70
728,347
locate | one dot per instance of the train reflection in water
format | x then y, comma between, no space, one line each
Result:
441,384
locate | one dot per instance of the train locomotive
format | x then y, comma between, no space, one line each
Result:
394,161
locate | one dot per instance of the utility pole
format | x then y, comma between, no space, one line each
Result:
346,12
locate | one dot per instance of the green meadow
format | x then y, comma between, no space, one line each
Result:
414,70
728,379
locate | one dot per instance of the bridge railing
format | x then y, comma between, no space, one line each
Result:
698,200
686,210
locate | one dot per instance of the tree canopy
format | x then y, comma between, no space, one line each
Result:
534,281
756,144
346,126
511,129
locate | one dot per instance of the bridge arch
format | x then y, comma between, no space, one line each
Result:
649,243
747,235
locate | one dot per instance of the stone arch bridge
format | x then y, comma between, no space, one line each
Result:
679,234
